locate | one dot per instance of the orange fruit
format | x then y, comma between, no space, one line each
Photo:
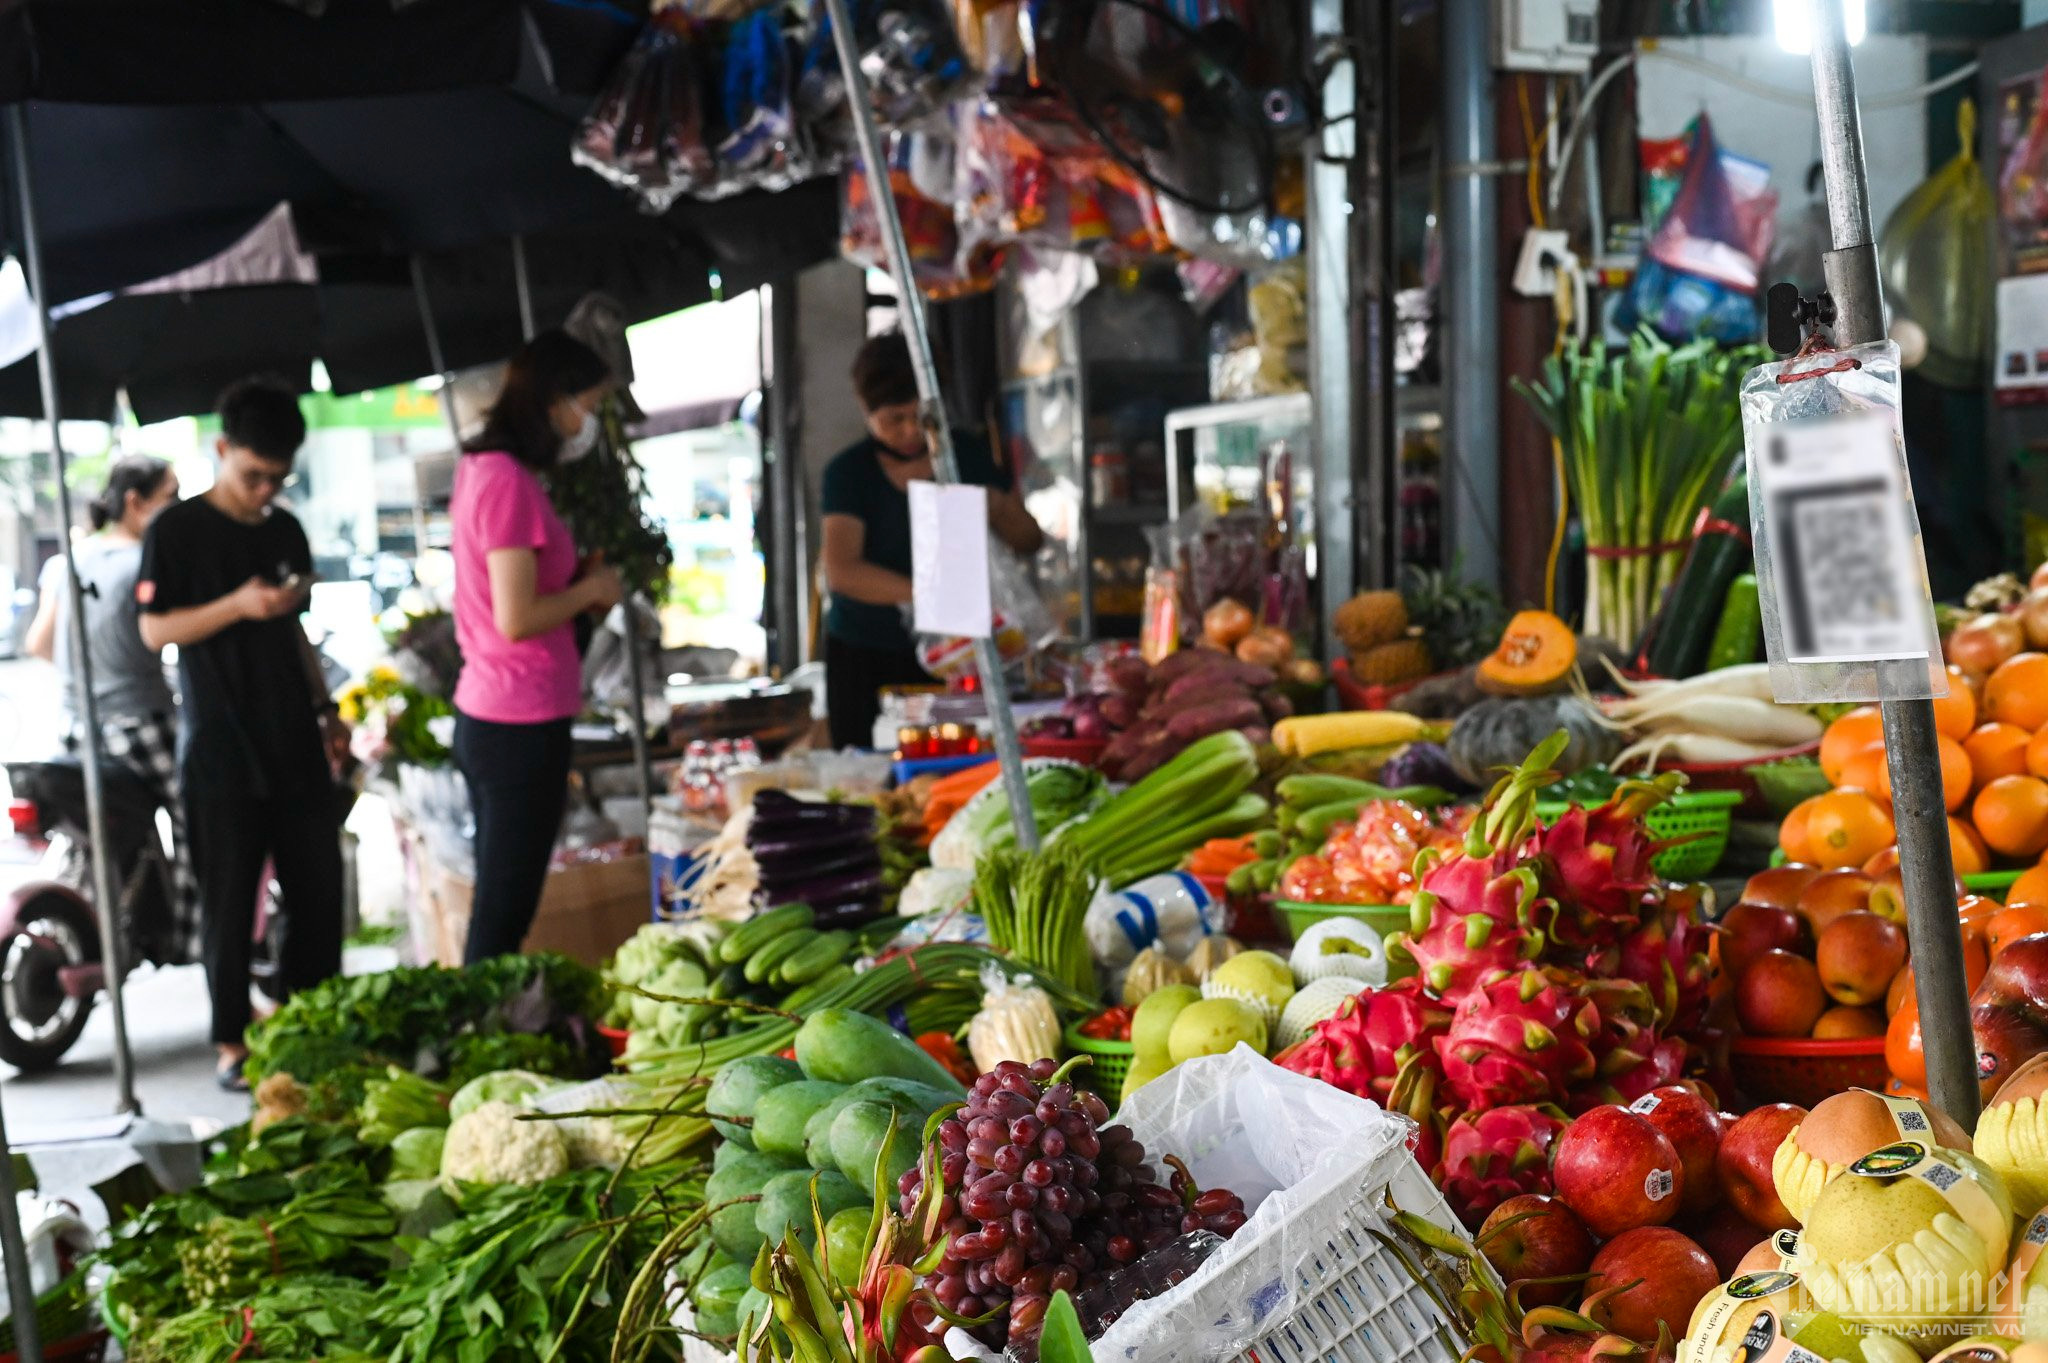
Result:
1847,827
1996,750
1966,850
1792,833
2017,693
2010,924
1846,737
1867,769
1903,1055
1957,776
2031,888
1955,714
2037,754
2011,815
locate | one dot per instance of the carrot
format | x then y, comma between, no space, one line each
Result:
1221,856
951,792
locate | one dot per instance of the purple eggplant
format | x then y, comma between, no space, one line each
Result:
796,868
850,913
833,889
812,844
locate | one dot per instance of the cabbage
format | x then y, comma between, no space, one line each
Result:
502,1086
416,1153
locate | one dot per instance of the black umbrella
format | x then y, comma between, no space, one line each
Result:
173,349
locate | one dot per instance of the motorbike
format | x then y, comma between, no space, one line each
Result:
53,965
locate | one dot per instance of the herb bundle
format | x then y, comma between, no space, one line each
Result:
1035,905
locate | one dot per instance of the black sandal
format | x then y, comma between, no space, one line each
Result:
229,1075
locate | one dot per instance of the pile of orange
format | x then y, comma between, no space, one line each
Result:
1994,780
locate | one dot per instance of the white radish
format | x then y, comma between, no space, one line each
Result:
1749,721
1752,680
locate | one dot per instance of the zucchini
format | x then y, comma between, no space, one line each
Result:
1739,637
764,927
762,965
819,953
1682,635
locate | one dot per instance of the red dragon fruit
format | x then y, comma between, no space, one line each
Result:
1362,1047
1492,1156
1667,953
1474,916
1520,1037
1631,1054
1596,865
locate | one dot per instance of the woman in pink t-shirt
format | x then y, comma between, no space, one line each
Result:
518,590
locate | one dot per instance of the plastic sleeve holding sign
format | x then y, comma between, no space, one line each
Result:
1846,610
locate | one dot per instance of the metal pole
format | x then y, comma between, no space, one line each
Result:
524,285
643,766
21,1292
785,505
112,948
434,358
911,303
1925,865
1471,293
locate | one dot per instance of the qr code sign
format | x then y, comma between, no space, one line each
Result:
1845,572
1941,1177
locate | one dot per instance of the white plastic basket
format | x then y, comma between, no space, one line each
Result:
1320,1169
695,1350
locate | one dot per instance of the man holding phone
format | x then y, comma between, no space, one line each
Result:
224,577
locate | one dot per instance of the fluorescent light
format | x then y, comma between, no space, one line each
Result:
1793,22
319,380
430,383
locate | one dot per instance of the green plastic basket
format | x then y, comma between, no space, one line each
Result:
1990,884
1701,816
1109,1062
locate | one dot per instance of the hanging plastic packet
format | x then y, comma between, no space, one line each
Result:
910,55
754,152
645,132
1846,610
1936,250
1720,224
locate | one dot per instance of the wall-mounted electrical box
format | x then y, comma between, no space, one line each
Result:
1546,35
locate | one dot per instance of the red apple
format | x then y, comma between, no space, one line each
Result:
2019,977
1726,1235
1695,1129
1531,1236
1744,1164
2007,1037
1617,1172
1747,931
1669,1274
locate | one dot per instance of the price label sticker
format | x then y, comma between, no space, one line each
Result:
950,591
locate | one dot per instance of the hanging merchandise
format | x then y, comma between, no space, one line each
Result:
910,55
645,133
1844,586
763,146
942,268
1030,173
1936,252
1720,224
992,36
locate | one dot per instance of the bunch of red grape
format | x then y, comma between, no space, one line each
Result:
1038,1198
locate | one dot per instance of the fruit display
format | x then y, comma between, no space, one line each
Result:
1994,775
1552,974
1149,713
1433,622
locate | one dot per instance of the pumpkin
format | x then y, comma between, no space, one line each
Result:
1502,732
1535,655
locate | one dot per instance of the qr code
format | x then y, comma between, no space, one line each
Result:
1911,1121
1942,1177
1840,547
2037,1229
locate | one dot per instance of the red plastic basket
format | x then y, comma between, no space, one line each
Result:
1086,751
1803,1071
1358,695
1735,776
616,1037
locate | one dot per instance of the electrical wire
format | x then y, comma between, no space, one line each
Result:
1803,99
1534,141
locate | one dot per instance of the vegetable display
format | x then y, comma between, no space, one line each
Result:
1150,713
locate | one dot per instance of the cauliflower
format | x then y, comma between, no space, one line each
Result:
491,1145
500,1086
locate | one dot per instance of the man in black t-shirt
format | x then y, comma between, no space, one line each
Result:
224,578
866,552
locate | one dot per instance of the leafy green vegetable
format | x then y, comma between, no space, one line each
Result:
416,1154
1060,1339
313,1315
397,1103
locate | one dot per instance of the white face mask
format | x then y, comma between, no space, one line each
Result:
574,447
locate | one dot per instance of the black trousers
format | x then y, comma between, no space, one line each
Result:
854,677
232,836
518,786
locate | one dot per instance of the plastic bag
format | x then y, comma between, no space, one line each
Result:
1720,224
909,52
762,146
1936,251
1294,1149
1171,911
645,133
1021,618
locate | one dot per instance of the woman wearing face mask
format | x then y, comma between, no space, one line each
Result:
518,590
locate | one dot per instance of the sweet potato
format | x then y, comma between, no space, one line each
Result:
1130,676
1226,672
1187,661
1200,721
1276,705
1209,693
1119,710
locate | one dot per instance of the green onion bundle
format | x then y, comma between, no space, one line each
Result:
1035,905
1646,437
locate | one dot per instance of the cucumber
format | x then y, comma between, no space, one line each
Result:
1739,637
763,928
845,1046
732,1228
780,1115
738,1089
762,965
858,1136
1309,789
818,955
785,1204
729,983
804,996
1681,635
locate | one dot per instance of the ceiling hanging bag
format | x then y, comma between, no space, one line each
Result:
1936,252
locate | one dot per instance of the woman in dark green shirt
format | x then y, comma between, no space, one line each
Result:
866,552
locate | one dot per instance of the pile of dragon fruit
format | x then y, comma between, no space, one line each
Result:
1555,974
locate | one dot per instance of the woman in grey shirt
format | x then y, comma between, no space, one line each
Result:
137,712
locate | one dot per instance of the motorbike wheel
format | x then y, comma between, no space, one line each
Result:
39,1022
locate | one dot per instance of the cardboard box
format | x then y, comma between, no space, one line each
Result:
585,912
